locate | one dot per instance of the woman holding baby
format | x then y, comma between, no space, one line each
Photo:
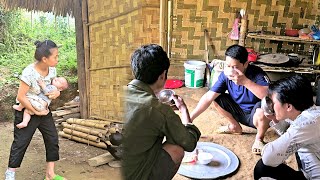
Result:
46,58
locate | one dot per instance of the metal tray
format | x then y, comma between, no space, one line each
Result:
224,162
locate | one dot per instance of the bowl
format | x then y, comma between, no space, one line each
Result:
292,32
166,95
304,31
204,158
267,106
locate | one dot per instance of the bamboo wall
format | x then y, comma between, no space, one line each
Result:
116,29
191,17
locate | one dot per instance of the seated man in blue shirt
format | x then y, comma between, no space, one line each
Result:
246,85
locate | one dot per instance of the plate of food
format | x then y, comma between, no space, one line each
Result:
219,162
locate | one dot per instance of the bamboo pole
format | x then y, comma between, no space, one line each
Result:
98,122
206,56
81,134
75,138
170,26
83,129
164,24
112,130
243,30
84,123
105,119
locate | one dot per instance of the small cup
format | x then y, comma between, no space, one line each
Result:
267,106
280,127
230,72
204,158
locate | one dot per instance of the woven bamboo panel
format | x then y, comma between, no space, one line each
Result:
112,41
191,17
100,10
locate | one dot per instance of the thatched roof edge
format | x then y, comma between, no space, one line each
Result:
58,7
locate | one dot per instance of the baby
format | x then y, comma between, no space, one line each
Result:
42,102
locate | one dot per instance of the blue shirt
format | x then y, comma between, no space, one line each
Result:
240,94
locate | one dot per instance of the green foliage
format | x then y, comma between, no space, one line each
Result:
18,34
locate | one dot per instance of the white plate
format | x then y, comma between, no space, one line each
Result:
224,162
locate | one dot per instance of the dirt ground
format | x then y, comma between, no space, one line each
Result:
73,164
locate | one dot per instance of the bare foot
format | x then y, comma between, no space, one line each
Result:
235,128
17,107
22,125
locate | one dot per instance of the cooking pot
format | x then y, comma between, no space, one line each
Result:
280,60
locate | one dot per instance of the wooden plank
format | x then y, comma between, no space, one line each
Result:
69,111
101,159
68,107
73,115
54,113
282,38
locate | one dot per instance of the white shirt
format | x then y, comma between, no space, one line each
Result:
30,77
303,136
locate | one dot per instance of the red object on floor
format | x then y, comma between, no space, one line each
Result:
173,84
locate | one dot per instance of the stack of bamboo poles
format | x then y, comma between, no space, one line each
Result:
69,110
90,131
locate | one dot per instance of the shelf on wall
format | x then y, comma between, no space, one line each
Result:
303,69
282,38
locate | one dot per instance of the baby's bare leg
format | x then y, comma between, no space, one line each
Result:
18,107
25,120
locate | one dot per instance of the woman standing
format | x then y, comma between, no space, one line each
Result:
46,56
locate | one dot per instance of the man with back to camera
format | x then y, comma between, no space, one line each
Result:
246,85
148,121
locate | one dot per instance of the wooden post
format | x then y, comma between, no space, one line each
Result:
164,24
243,30
206,57
170,27
78,15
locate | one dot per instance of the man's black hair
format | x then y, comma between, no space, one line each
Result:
237,52
149,62
295,90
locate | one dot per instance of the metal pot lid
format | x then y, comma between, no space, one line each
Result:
273,58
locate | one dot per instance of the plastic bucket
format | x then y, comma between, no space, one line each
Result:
194,73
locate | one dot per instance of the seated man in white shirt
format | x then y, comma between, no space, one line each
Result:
292,99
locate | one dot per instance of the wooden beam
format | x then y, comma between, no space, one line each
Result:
101,159
164,24
82,84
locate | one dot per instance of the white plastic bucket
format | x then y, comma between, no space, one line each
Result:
194,73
